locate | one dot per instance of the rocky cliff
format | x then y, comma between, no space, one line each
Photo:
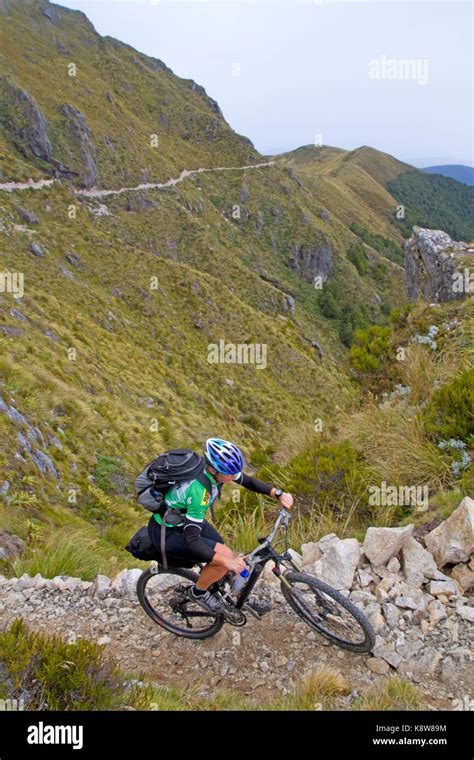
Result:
434,266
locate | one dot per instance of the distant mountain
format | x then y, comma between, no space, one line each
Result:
372,183
434,201
460,173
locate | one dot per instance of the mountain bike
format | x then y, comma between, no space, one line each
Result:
163,594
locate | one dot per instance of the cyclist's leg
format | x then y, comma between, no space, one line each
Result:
208,531
211,534
177,549
216,569
177,553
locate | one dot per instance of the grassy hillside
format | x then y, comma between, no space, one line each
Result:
105,358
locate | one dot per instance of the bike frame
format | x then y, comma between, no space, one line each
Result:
265,553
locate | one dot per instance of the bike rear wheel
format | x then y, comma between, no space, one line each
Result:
161,593
329,612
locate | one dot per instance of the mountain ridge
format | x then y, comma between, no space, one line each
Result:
458,172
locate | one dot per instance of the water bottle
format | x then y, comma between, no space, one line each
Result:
239,581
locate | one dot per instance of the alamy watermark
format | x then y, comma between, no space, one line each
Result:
12,705
463,282
237,353
12,282
415,69
394,496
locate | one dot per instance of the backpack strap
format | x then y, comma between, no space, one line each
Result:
170,513
204,481
163,540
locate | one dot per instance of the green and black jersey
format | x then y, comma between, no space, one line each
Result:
192,498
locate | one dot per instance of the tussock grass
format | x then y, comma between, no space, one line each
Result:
61,552
316,691
56,675
78,552
421,370
392,694
394,443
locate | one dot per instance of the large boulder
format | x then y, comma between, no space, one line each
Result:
453,540
311,553
101,586
312,260
81,149
418,563
125,583
381,544
464,576
24,122
430,263
338,563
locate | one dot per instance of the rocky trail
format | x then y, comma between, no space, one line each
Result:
96,192
423,619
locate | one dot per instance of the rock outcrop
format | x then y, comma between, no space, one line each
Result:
431,265
26,123
310,261
82,152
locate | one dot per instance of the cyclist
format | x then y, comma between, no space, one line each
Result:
195,540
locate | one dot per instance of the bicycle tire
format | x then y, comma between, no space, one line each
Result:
163,622
310,580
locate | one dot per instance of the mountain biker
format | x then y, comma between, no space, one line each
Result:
195,540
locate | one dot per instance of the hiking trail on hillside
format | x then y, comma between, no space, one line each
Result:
95,192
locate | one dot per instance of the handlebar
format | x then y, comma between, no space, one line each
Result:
283,518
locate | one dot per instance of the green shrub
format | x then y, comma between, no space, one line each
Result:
56,675
379,272
109,476
330,475
370,348
450,413
62,551
336,304
393,694
433,201
398,317
386,246
358,257
261,456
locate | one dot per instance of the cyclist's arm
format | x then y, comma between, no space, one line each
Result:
253,484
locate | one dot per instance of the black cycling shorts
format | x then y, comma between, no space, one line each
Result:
177,550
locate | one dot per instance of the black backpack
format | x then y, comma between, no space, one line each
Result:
164,472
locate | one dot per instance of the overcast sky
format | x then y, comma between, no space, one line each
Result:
287,74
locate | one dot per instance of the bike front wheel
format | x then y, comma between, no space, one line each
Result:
162,594
327,611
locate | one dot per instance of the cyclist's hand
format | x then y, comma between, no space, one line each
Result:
286,500
235,564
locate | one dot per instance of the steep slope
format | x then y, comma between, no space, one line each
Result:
92,109
130,280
